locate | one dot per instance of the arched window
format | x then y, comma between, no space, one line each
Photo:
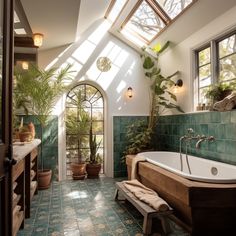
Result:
84,109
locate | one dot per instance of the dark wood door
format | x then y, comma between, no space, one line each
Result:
6,67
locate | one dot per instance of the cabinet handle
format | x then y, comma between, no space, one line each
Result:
9,162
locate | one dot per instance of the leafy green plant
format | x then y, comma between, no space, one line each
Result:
94,145
139,134
36,91
217,92
76,126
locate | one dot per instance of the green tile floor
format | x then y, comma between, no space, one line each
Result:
84,208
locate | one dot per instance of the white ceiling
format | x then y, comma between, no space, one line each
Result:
62,20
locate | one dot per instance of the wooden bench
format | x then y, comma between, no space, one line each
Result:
147,211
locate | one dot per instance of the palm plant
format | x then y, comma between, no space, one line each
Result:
36,91
76,126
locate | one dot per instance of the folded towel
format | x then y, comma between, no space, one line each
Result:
146,195
134,166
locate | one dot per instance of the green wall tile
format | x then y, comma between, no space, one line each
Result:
233,116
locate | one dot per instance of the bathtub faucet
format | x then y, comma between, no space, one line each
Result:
204,138
189,136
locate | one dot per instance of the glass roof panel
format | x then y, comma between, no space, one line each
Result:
173,7
16,18
116,9
20,31
145,22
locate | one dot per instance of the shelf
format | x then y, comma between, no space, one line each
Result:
33,188
17,221
32,174
32,164
16,200
14,185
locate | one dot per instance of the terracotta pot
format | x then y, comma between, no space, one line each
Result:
78,170
25,136
93,170
44,179
31,128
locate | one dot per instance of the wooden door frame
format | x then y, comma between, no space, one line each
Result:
7,75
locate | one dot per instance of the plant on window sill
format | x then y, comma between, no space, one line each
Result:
219,91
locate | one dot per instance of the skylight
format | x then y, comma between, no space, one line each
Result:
20,31
145,19
173,7
145,22
16,18
115,9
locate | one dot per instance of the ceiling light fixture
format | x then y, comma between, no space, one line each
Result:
104,64
38,39
25,65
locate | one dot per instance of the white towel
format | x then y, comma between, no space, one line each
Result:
134,166
146,195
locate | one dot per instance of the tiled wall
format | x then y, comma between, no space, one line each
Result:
221,125
49,143
119,141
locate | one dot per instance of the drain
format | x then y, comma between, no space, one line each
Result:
214,171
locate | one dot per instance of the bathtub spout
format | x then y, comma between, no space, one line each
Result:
201,139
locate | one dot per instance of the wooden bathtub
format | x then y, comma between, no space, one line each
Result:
204,208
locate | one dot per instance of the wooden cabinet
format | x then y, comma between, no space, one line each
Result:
18,196
24,181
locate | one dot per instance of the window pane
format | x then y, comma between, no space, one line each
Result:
204,56
202,95
228,68
173,7
227,46
145,22
205,75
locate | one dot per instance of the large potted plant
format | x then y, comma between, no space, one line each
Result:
77,124
93,166
37,91
139,134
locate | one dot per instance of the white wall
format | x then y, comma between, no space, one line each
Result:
180,56
126,71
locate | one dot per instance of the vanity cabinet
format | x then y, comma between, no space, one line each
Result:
24,181
18,196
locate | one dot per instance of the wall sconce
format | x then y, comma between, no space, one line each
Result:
129,92
103,64
25,65
178,85
38,39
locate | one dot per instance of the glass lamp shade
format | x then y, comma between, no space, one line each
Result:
25,65
104,64
38,39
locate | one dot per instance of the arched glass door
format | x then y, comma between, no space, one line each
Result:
84,108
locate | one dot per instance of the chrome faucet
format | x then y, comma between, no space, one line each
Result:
201,139
204,138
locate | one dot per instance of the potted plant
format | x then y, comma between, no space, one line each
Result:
77,124
219,91
139,134
36,91
93,166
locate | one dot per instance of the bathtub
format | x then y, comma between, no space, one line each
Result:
199,169
202,208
